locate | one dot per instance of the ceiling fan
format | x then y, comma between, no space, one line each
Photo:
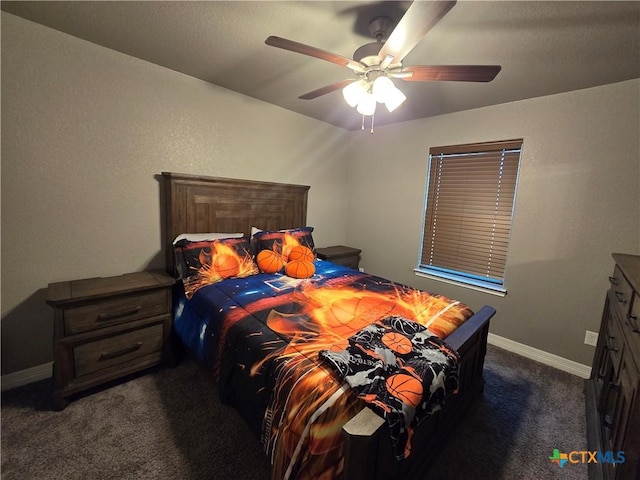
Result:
374,64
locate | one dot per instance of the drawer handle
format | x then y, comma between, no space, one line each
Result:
620,296
119,353
607,419
613,280
105,317
632,323
602,371
607,422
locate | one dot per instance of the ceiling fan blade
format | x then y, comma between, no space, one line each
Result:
414,25
327,89
451,73
314,52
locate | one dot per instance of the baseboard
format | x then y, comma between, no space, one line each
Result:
26,376
575,368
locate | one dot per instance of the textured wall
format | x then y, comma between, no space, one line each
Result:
577,202
85,131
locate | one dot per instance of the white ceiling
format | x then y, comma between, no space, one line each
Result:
544,47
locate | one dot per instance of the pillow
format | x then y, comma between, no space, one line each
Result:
300,269
269,261
199,237
207,262
300,252
282,241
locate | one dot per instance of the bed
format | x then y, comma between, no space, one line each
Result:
264,337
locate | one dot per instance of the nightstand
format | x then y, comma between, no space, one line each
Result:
106,328
341,255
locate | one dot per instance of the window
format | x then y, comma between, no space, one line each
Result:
468,211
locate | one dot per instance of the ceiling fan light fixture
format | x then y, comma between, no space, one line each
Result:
377,63
354,92
382,87
386,92
367,105
394,99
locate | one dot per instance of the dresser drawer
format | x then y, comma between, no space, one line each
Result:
615,343
622,292
113,311
107,352
612,394
632,328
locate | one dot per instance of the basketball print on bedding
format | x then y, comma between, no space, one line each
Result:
397,342
406,388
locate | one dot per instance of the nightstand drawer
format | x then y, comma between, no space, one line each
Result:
351,262
108,327
93,356
113,311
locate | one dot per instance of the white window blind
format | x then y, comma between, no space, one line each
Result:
468,212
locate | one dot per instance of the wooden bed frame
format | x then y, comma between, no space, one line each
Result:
198,204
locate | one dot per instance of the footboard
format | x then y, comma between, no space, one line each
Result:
367,445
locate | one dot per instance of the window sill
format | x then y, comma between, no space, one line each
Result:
491,289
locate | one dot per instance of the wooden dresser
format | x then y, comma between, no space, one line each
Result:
613,391
341,255
106,328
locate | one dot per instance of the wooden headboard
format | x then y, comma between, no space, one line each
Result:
197,204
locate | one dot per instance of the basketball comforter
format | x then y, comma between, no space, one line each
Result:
275,345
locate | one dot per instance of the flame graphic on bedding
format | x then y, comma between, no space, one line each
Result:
284,248
300,432
219,262
331,315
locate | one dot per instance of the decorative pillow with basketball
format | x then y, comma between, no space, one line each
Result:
301,253
298,264
300,269
291,250
282,241
269,261
207,262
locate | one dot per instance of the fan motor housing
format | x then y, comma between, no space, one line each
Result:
379,28
368,54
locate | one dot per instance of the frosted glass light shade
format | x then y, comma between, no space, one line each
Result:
382,86
394,99
367,105
354,92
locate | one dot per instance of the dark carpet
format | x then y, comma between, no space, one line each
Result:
169,424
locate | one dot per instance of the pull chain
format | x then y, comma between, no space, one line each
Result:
373,116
